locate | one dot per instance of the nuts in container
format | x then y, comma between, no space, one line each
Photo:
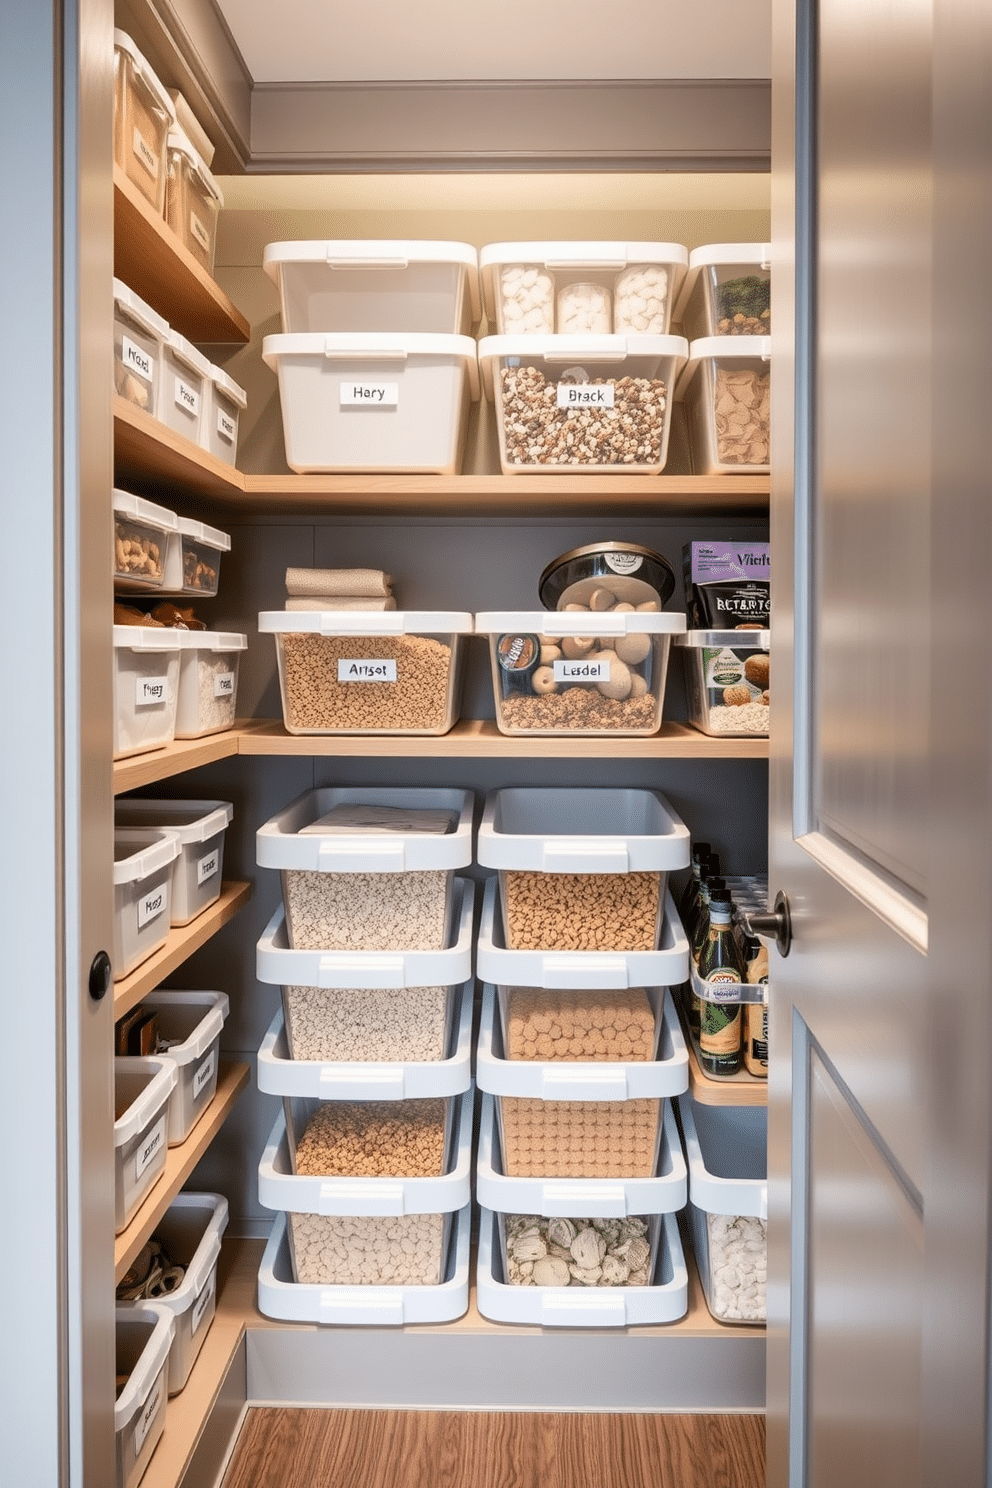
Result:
727,679
579,1024
580,911
374,1139
576,1252
580,1138
143,532
726,390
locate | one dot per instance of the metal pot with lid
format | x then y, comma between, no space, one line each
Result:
602,575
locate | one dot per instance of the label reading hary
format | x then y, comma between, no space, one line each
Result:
369,395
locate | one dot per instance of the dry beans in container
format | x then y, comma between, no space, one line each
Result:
581,708
742,410
537,432
137,553
579,1025
738,1266
576,1252
578,1139
581,911
374,1139
343,1024
367,1250
315,699
367,911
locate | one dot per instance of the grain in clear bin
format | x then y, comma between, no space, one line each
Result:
139,335
727,291
726,391
143,115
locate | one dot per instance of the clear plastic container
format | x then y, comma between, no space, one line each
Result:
596,288
142,1086
400,286
143,1333
191,1231
374,401
193,563
727,291
200,827
726,391
139,335
192,199
208,681
145,538
192,1023
368,672
583,404
727,681
184,388
727,1153
142,874
146,687
561,672
222,419
143,116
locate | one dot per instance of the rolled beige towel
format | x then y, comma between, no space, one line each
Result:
337,602
341,583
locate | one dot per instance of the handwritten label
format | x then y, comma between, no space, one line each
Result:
585,395
187,398
204,1071
150,906
370,670
207,866
581,671
224,685
199,232
227,427
137,360
150,1148
144,153
200,1305
150,691
369,395
149,1412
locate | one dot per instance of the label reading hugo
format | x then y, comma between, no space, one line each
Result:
581,671
227,427
150,691
187,398
151,905
224,685
199,1311
369,395
368,669
148,1149
585,395
144,152
198,231
148,1413
204,1071
207,866
136,359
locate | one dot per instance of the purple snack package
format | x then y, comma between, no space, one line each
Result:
726,585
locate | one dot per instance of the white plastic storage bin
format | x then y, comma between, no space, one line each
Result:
399,286
139,335
226,402
193,565
208,681
192,199
143,1333
663,1072
192,1024
276,962
369,870
558,672
191,1231
384,1078
368,672
143,116
581,868
281,1187
581,288
727,1153
727,291
663,1300
726,391
596,1136
145,536
378,401
592,405
143,860
727,681
280,1296
200,826
185,386
667,965
142,1086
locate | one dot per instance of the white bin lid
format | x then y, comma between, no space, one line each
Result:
372,253
351,346
293,837
554,624
737,640
135,308
143,69
211,537
722,349
365,622
193,821
211,640
180,142
163,1076
151,1359
147,638
184,351
153,848
128,505
758,254
230,389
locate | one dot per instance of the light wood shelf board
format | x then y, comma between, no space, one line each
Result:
150,455
151,260
480,738
182,942
729,1090
184,754
179,1164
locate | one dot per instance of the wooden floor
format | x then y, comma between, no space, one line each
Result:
305,1448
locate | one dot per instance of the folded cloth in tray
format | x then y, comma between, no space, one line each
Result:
355,583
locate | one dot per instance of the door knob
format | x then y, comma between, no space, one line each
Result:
777,925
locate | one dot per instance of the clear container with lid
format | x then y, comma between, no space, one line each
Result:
727,681
725,389
145,536
143,116
605,575
192,199
139,335
575,288
185,387
193,562
146,687
142,874
727,291
208,681
226,402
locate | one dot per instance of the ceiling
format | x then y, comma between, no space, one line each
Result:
515,40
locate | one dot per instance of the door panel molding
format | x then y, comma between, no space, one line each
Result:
893,902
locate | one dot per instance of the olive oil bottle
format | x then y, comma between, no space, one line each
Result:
721,965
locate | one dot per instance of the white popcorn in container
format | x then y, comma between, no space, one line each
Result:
640,301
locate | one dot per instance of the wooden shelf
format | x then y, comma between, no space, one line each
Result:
729,1090
173,759
179,1164
182,942
150,259
153,459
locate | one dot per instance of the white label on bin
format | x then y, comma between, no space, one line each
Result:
136,359
224,685
148,1414
203,1073
227,427
144,152
198,230
200,1305
150,906
369,395
581,671
187,398
150,690
150,1148
206,867
585,395
368,669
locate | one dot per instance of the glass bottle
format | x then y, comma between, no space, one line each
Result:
756,1013
707,882
721,965
689,895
